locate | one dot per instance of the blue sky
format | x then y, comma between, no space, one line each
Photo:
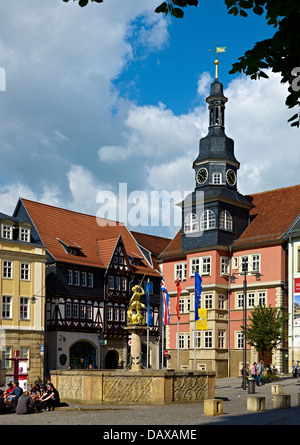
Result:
170,75
115,94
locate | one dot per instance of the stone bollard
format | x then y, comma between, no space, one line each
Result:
213,407
277,389
256,403
281,401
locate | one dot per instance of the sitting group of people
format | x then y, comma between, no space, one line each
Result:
39,398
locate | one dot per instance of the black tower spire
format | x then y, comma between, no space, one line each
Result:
216,146
225,212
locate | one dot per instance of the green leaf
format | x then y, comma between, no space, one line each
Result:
243,13
162,8
83,3
233,11
258,10
263,74
181,3
295,124
244,4
293,117
192,2
178,13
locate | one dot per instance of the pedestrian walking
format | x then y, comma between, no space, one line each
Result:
297,370
260,369
254,372
245,374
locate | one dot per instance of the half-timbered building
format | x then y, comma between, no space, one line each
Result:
92,264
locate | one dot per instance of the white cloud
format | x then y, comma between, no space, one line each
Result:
153,32
60,102
10,194
265,144
203,83
256,118
84,188
153,133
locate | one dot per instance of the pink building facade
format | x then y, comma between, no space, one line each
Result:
239,246
220,346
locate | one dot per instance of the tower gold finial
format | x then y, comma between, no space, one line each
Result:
216,62
219,49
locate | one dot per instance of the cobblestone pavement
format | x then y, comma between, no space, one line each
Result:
177,415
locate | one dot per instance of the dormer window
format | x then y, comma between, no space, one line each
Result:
191,223
6,231
70,247
24,234
134,260
208,220
70,251
225,221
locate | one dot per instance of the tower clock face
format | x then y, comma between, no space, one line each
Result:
202,175
231,177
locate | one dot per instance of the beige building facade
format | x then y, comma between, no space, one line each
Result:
22,291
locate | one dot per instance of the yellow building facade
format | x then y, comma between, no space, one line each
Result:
22,291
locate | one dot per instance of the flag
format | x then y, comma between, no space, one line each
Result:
201,323
150,318
166,299
198,290
221,49
178,295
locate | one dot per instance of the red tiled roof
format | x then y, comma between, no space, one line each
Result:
174,247
155,244
272,215
106,249
97,241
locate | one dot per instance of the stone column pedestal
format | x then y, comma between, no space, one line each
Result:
136,331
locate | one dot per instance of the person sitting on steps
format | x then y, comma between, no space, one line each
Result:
51,399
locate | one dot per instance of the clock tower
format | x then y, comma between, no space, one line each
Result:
215,214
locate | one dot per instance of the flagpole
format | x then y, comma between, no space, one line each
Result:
162,330
162,345
198,290
147,345
178,344
165,314
196,309
178,318
195,343
148,333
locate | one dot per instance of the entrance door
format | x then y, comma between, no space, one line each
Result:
111,359
82,355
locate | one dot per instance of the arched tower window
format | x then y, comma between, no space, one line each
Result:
225,221
191,223
208,220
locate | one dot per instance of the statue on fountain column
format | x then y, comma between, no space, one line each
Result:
134,303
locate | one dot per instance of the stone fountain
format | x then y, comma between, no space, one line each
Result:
135,385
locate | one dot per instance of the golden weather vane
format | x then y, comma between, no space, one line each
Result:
219,49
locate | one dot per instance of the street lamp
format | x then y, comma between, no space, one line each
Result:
44,346
258,275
